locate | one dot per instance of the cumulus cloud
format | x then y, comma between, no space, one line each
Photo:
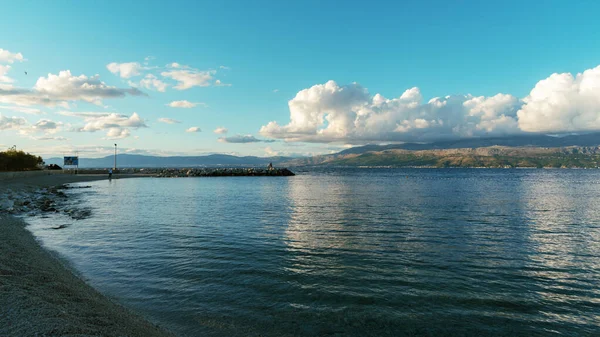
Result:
111,121
184,104
117,133
43,126
59,90
153,83
116,125
242,139
8,57
563,103
220,130
333,113
125,70
193,129
168,120
187,77
224,68
560,103
46,124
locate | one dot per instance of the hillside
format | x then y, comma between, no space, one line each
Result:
585,140
493,156
516,151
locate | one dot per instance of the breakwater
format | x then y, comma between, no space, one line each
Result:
223,172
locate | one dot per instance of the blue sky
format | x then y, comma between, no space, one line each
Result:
265,53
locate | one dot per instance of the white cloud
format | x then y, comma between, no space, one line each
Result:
224,68
153,83
332,113
3,71
188,77
11,123
218,83
84,114
47,138
563,103
110,121
125,70
8,57
275,90
29,111
44,126
115,125
221,130
243,139
59,90
193,129
168,120
185,104
270,152
117,133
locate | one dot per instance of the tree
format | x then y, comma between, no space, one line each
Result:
13,160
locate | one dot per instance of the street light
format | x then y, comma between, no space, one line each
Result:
115,168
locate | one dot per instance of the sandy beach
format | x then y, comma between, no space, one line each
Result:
40,296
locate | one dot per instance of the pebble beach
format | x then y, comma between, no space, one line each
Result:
39,294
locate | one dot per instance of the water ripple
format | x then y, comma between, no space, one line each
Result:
377,252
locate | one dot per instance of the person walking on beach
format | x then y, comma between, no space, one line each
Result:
109,173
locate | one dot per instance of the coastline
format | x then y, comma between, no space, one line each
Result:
39,295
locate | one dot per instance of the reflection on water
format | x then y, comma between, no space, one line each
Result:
348,252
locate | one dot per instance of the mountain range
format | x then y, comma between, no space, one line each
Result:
507,151
135,160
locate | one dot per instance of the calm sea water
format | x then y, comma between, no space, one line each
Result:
361,252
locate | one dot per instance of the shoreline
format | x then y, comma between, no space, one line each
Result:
42,295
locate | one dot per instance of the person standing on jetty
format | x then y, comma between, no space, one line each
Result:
109,173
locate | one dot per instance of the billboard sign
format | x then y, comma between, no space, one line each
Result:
71,161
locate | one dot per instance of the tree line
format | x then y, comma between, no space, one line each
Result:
13,160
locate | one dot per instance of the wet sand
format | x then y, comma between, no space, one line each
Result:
40,296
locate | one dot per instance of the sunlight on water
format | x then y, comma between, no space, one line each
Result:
346,252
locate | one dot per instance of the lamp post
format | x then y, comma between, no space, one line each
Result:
115,168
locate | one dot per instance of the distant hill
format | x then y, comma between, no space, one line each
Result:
592,139
528,150
133,160
493,156
517,151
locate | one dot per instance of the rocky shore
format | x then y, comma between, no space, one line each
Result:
42,200
223,172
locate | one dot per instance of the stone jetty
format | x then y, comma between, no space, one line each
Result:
224,172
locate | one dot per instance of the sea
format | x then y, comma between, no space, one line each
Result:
345,252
